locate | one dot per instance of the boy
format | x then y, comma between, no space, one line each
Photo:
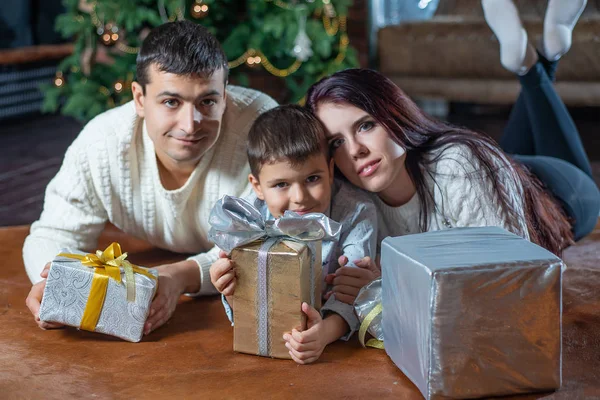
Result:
291,170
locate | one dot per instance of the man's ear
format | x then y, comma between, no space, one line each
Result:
138,98
256,186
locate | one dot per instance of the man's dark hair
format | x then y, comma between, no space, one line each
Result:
181,48
290,132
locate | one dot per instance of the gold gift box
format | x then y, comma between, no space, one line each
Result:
288,286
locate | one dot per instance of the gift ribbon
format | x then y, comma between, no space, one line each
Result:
107,264
364,326
235,222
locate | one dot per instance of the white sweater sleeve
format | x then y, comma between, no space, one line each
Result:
204,261
72,216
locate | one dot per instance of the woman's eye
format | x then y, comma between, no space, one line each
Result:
313,178
335,143
365,126
171,103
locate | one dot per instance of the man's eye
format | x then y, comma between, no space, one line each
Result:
171,103
208,102
365,126
313,178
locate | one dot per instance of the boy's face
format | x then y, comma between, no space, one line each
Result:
305,188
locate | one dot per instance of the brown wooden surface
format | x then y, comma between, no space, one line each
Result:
191,356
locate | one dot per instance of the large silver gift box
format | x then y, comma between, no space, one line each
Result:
67,290
472,312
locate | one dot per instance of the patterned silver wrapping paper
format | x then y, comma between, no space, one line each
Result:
67,290
472,312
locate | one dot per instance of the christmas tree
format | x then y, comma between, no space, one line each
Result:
296,41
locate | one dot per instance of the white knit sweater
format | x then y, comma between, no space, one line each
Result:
110,173
463,197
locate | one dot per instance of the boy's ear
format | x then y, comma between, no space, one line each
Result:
138,98
256,186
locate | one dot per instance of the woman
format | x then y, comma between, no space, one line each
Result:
431,175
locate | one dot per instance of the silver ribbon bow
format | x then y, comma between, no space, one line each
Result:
235,222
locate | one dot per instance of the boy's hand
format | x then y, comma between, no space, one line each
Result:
347,281
306,347
222,275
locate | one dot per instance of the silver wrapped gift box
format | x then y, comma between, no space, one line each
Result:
68,288
472,312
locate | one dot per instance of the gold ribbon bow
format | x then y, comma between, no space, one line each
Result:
107,264
376,343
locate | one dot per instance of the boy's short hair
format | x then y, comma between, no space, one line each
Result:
181,48
288,132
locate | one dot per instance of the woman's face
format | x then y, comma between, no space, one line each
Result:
362,149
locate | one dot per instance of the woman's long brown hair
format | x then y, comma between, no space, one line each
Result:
423,136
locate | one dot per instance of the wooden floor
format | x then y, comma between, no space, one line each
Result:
32,149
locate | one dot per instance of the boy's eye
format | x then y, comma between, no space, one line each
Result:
335,143
281,185
365,126
313,178
171,103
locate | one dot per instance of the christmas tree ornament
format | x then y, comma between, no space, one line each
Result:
85,6
86,61
302,45
329,9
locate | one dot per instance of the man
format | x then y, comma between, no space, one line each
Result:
154,167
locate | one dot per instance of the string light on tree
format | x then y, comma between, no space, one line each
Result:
119,86
108,34
253,61
58,79
199,10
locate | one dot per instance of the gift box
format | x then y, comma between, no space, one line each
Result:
278,267
472,312
99,292
261,320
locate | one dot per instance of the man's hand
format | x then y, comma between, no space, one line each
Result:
347,281
173,281
34,300
222,275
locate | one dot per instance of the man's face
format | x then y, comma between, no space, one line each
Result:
182,113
